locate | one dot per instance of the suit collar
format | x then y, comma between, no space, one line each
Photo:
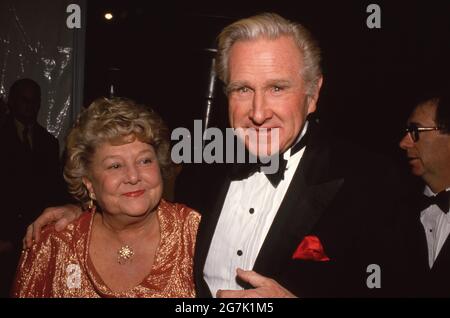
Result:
443,258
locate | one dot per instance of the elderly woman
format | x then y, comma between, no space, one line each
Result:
129,242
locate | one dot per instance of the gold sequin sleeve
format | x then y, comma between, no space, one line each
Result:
54,267
193,220
35,266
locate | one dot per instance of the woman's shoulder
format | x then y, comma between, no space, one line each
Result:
179,220
71,232
180,211
42,264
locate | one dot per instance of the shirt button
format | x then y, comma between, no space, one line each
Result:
239,253
251,211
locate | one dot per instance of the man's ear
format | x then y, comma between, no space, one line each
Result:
312,100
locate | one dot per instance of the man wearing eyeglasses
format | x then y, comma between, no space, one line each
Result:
427,146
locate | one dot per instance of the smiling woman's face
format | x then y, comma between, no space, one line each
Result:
125,179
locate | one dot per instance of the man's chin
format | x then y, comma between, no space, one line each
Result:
416,172
260,143
416,168
261,151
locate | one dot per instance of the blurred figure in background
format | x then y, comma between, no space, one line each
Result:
31,172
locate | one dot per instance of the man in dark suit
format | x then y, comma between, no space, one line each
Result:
323,228
427,223
31,176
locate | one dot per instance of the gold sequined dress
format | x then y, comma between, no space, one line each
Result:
60,266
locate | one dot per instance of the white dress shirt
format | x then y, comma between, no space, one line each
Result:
246,217
437,227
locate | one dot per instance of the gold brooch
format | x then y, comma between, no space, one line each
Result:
124,254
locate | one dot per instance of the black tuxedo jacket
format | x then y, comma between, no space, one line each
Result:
418,279
343,195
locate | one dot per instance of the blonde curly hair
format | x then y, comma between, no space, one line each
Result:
112,120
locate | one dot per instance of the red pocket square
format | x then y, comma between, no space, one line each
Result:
310,249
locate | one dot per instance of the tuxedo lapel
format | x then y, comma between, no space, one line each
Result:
442,261
417,240
435,281
312,189
204,238
421,245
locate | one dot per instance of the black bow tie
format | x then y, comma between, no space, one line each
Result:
245,170
442,200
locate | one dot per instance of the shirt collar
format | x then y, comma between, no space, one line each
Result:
287,153
428,192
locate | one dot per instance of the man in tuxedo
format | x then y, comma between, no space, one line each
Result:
427,223
318,228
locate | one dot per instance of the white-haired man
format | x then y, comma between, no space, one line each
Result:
315,231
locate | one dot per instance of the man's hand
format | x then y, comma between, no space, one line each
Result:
62,215
265,287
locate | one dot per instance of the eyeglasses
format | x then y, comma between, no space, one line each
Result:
413,130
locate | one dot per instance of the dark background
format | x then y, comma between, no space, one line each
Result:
371,76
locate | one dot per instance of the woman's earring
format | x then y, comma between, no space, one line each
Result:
91,201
